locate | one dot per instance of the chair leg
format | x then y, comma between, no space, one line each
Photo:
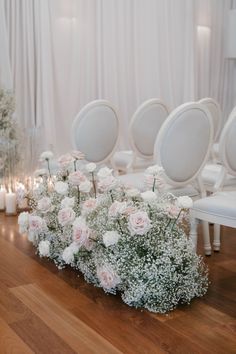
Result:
216,243
193,233
206,237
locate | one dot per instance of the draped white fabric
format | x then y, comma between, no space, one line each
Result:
65,53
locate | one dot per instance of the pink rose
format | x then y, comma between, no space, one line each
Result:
76,154
36,223
107,184
107,277
116,208
81,232
44,204
66,216
89,205
172,211
75,178
139,223
129,210
65,161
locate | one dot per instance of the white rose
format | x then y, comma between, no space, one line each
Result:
68,253
132,193
61,187
111,238
154,170
91,167
107,277
44,248
46,155
44,204
184,202
66,216
148,196
104,172
139,223
23,222
68,202
85,186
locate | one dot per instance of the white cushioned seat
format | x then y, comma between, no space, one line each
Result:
219,205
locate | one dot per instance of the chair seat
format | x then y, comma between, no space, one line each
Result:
210,175
136,180
219,208
123,160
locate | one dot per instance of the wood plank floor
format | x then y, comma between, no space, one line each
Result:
43,310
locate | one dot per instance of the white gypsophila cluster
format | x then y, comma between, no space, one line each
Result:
9,142
122,240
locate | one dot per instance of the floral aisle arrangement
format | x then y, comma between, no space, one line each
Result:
8,133
122,240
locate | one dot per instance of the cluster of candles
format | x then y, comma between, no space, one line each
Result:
15,200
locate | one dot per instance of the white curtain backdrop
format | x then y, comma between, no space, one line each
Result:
65,53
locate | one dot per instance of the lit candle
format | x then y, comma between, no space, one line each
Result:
21,196
10,203
2,198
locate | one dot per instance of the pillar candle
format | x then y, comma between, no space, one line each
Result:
2,198
10,203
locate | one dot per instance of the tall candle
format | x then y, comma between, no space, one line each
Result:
10,203
2,198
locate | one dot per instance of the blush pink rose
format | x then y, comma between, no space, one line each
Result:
139,223
107,184
107,277
44,204
65,161
66,216
36,223
89,205
117,208
81,233
75,178
172,211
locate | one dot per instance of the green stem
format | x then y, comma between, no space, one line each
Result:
154,182
48,168
78,195
174,223
94,185
75,167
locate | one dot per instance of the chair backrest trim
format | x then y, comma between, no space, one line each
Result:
136,115
82,115
174,115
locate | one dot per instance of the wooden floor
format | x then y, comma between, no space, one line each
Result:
43,310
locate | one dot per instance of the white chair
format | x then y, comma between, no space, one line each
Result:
95,131
214,109
143,129
213,175
219,208
182,148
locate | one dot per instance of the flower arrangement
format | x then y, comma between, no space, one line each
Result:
122,240
8,135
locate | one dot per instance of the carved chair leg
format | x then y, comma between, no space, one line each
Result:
206,238
216,243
